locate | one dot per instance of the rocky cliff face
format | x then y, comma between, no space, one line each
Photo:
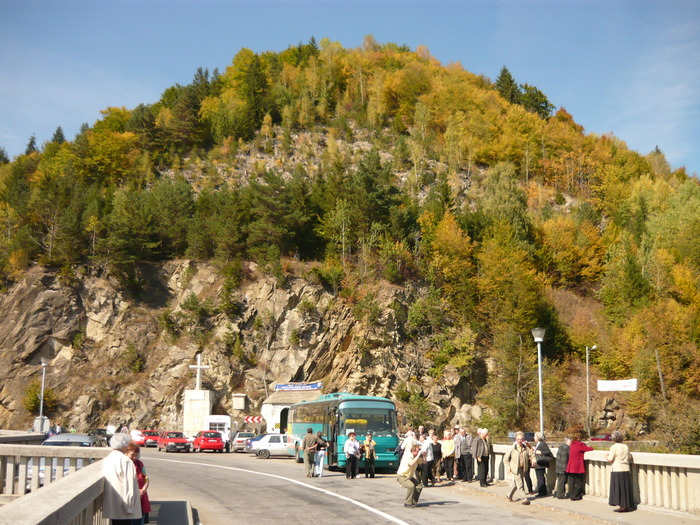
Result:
113,356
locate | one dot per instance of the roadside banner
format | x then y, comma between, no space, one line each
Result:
621,385
299,386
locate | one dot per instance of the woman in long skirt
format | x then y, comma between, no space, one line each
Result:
620,478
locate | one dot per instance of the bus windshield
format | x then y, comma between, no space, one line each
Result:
379,421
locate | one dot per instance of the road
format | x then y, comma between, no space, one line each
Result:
239,488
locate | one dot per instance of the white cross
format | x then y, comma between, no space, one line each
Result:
199,366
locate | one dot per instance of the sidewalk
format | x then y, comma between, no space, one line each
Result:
593,508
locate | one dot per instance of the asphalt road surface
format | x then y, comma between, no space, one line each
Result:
243,489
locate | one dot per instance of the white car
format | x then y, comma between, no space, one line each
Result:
240,439
266,445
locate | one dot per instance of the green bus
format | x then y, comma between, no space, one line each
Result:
338,414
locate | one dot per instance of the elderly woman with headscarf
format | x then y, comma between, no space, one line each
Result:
620,477
121,502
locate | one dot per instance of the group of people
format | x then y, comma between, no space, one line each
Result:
355,450
126,483
570,469
425,458
314,447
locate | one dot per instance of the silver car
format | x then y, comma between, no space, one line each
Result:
64,440
266,445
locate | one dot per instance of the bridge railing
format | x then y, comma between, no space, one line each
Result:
27,468
664,481
73,500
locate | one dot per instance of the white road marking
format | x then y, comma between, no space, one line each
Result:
296,481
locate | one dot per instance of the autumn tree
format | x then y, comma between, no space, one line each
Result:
507,87
452,266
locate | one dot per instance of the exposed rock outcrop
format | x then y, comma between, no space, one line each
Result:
113,357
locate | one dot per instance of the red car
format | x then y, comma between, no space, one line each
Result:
150,438
208,440
601,437
173,441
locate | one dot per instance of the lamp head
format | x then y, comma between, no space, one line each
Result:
594,347
44,361
538,334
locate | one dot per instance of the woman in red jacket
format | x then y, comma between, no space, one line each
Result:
576,467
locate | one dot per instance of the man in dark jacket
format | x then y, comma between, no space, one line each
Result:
481,450
562,460
465,454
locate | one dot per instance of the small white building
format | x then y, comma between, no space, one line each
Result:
275,408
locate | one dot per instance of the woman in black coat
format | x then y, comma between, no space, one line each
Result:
562,461
543,456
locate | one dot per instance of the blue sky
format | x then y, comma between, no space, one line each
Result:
631,68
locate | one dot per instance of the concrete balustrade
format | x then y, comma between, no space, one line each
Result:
662,481
73,500
15,467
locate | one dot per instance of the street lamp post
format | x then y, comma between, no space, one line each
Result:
588,390
538,336
44,363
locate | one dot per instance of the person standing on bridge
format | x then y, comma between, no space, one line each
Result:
309,445
481,450
320,453
562,460
406,475
133,451
576,468
352,455
121,502
448,454
620,477
370,455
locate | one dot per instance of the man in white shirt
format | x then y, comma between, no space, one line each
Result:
121,500
225,438
352,455
406,475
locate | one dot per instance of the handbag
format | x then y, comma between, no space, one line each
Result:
543,461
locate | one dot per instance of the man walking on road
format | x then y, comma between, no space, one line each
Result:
518,460
406,475
309,445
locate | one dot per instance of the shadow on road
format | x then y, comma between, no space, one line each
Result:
437,503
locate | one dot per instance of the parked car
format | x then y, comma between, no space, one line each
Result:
101,432
137,437
64,440
75,440
266,445
173,441
208,440
150,438
239,440
601,437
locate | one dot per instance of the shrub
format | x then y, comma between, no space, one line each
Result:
307,307
32,398
132,359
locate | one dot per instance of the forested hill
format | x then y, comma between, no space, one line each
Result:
380,164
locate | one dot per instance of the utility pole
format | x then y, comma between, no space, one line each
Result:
588,390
